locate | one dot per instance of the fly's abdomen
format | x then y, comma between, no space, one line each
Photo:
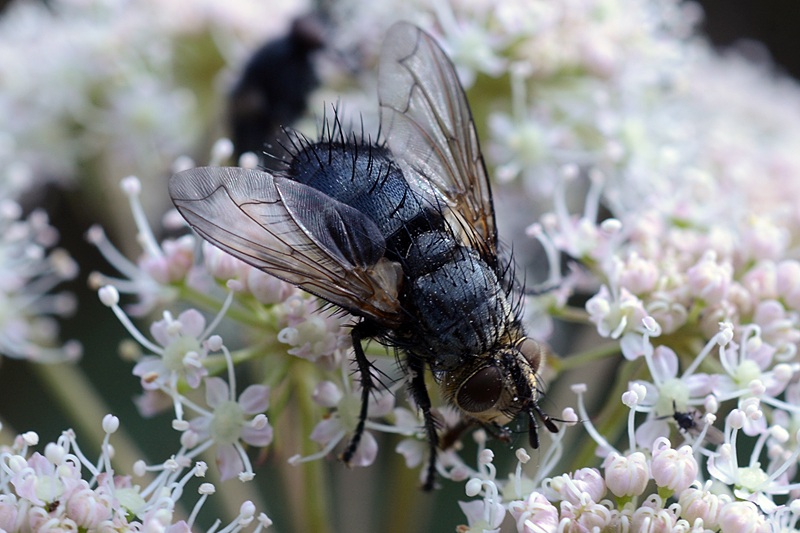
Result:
460,308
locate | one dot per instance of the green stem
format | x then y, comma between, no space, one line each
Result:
70,387
622,500
216,364
613,418
403,507
572,314
198,298
562,364
317,507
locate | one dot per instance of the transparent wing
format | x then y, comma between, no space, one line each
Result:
430,131
295,233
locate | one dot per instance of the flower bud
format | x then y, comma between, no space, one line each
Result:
534,514
9,513
741,517
584,483
592,483
88,509
652,519
267,289
696,503
218,263
788,282
626,476
639,275
709,280
589,517
673,469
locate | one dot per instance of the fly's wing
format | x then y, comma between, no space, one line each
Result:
294,232
430,131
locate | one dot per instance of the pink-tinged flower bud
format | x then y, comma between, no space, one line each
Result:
534,514
88,509
589,517
652,519
614,315
221,151
630,399
742,517
638,275
761,281
180,254
267,289
669,313
708,280
569,417
626,476
697,503
710,404
8,512
788,282
673,469
611,226
218,263
592,483
778,327
764,239
248,160
741,298
587,483
131,186
327,394
736,418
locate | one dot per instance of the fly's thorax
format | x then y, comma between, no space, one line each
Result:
496,387
363,176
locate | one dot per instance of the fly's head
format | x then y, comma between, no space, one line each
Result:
495,388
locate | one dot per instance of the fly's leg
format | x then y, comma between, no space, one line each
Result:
546,419
359,332
533,431
452,435
420,393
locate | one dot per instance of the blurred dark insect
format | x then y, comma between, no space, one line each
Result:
274,88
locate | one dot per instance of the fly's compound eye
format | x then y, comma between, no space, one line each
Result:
532,352
481,391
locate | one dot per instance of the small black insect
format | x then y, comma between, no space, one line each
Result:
400,234
692,422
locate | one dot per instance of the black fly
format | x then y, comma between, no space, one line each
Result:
692,422
400,234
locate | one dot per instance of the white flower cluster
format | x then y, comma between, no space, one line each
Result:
683,503
30,268
63,491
